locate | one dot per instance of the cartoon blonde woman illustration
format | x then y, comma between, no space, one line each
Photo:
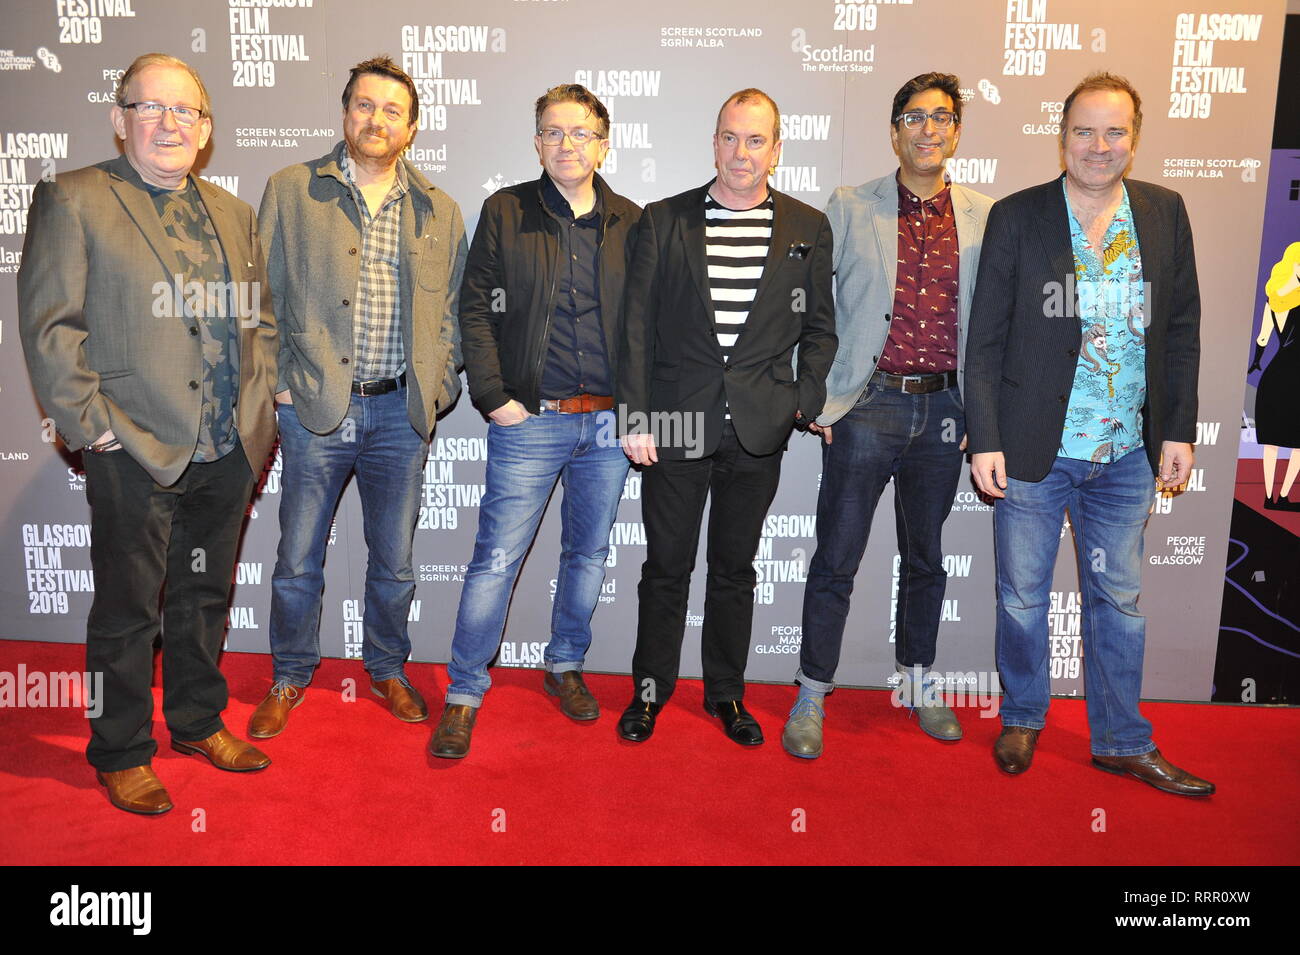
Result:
1277,416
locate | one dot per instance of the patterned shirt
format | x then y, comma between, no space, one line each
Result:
201,281
923,330
376,316
1103,421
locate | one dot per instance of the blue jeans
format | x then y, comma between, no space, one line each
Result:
377,443
524,461
916,440
1108,505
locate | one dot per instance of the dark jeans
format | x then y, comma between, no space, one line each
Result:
140,535
915,439
672,504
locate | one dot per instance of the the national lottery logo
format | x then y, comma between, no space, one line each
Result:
12,62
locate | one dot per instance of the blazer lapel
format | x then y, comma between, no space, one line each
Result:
1151,245
782,238
139,206
692,229
223,222
1054,232
884,221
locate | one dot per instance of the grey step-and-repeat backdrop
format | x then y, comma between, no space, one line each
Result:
275,70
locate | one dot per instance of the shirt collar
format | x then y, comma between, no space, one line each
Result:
346,166
940,201
559,206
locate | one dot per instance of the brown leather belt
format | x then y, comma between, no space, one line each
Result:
378,386
578,404
916,384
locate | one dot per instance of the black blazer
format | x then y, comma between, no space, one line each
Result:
672,360
1023,346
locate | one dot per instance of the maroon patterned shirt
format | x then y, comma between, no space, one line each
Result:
923,331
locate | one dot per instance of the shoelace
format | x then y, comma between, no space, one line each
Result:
285,690
806,706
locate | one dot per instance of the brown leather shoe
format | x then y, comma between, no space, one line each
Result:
272,713
451,738
403,700
1154,770
136,790
224,750
576,701
1014,750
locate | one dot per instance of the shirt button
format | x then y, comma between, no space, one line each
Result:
575,258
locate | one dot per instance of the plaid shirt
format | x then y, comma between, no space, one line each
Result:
376,318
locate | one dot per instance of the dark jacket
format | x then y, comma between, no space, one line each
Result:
507,297
672,357
1021,352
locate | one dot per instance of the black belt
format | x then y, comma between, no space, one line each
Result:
378,386
915,384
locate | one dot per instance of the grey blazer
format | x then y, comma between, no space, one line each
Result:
311,230
94,311
864,220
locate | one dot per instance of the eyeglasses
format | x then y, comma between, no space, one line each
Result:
153,113
915,118
551,136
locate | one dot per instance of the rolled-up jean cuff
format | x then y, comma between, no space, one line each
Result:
1038,725
804,680
563,666
1128,750
464,699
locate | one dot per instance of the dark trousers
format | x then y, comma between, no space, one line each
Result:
672,504
916,441
140,535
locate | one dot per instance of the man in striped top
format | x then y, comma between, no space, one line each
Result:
725,282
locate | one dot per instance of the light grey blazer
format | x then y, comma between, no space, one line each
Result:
864,220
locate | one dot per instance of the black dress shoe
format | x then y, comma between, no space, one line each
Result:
637,724
739,725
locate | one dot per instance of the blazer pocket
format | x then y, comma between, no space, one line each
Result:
119,373
667,372
1008,381
782,373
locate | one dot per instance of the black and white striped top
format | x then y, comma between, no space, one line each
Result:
736,245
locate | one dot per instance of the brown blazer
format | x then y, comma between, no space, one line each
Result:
96,316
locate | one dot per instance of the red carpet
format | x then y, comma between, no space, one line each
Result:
350,784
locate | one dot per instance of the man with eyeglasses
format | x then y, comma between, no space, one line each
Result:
1084,358
365,257
145,317
907,247
541,311
728,280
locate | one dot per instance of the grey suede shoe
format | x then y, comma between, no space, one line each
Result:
803,730
926,701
